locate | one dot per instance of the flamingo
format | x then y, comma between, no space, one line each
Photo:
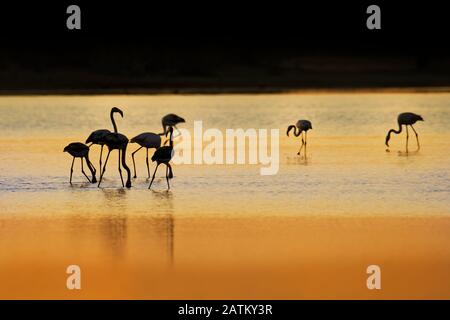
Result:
117,141
406,119
171,120
80,150
301,126
164,155
147,140
98,136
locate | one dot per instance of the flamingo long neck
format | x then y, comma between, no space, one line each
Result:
124,164
113,121
396,131
388,137
295,130
170,139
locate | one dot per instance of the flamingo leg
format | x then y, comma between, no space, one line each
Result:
120,171
101,151
154,173
306,141
148,167
90,165
134,164
104,169
417,138
71,170
301,147
92,168
167,176
170,171
82,170
407,138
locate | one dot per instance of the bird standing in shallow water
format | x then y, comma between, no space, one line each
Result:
406,119
80,150
164,155
147,140
117,141
300,127
98,136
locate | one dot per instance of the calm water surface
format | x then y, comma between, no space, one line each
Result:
225,230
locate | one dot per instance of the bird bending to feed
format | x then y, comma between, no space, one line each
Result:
406,119
300,127
117,141
80,150
98,136
164,155
170,120
147,140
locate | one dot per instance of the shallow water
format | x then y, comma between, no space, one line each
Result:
225,231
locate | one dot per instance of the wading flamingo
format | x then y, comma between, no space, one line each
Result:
164,155
98,136
406,119
117,141
80,150
300,127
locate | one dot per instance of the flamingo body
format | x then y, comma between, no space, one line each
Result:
98,136
163,154
116,140
80,150
408,118
147,140
77,149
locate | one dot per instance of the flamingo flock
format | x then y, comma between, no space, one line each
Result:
118,141
164,154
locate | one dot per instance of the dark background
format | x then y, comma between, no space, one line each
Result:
137,46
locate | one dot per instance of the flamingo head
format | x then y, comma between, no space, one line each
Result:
115,109
386,142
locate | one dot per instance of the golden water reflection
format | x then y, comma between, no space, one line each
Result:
310,231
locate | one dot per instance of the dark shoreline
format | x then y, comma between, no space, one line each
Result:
227,90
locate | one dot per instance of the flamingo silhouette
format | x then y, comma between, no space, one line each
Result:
147,140
406,119
164,155
80,150
171,120
300,127
117,141
98,136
